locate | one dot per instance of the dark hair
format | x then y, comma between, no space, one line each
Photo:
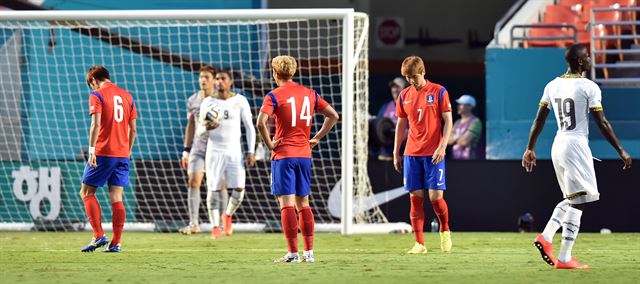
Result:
208,68
98,72
572,54
227,71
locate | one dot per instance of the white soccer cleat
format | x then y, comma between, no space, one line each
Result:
190,230
292,257
308,257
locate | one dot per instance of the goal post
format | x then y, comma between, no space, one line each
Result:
156,55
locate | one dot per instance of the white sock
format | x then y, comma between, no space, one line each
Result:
555,222
193,202
213,207
234,202
570,229
308,253
224,200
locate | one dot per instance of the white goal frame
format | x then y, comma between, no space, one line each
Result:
350,53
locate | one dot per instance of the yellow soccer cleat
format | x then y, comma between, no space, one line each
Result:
445,241
417,249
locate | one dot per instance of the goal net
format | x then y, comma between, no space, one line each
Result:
156,56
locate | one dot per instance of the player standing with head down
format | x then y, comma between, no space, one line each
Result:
193,155
572,97
424,106
293,107
111,136
224,150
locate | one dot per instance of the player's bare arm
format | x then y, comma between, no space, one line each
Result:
607,131
438,156
96,121
250,134
401,129
330,119
261,124
188,139
133,131
529,157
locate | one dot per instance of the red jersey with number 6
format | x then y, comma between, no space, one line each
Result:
116,108
423,108
293,106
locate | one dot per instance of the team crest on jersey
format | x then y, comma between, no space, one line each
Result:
430,99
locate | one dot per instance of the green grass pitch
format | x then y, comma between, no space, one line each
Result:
27,257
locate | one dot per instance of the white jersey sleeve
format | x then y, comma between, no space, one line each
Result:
247,121
594,96
545,100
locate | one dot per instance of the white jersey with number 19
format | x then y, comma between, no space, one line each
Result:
571,99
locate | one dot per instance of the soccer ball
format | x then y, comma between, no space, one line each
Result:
211,113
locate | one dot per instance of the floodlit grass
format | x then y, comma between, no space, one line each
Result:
28,257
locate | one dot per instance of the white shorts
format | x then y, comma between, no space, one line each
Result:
573,163
196,163
221,165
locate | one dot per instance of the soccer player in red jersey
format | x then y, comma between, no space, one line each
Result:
293,107
111,136
424,106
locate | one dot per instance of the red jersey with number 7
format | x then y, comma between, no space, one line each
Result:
423,108
116,108
293,107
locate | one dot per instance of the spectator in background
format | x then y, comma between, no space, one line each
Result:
467,130
388,110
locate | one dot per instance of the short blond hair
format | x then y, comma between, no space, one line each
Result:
285,66
412,65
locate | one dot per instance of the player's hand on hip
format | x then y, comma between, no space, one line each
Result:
251,160
626,158
211,125
92,161
274,144
529,160
313,142
438,156
397,163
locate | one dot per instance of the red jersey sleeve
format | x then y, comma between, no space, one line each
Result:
95,102
321,104
269,104
443,101
400,106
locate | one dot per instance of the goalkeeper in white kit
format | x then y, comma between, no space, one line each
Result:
221,115
194,147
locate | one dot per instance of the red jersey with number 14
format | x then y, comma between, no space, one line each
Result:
116,108
423,108
293,106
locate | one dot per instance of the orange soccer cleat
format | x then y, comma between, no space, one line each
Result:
216,233
227,224
546,249
573,264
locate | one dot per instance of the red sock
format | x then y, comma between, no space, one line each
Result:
92,207
442,211
290,227
417,218
117,218
306,226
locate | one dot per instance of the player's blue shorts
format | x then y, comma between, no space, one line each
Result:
421,173
291,176
113,171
